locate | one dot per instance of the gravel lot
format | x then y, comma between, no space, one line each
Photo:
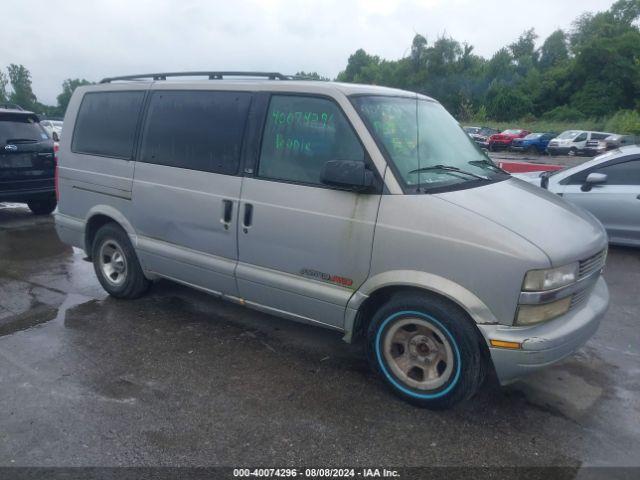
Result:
180,378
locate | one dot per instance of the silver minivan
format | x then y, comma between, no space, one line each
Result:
362,209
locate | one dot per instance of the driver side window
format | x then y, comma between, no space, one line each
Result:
301,134
624,173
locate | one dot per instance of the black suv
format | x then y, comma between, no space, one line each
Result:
27,161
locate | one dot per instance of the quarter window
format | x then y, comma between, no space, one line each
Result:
106,124
301,134
196,130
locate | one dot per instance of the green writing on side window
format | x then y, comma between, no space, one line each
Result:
292,144
303,119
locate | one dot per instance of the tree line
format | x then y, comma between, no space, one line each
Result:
18,78
589,71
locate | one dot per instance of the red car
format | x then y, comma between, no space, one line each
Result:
504,139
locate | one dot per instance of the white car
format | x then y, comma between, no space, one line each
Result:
53,128
574,142
607,186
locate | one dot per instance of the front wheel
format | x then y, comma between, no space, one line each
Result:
426,350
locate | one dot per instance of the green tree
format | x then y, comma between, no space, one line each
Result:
554,50
22,93
68,87
361,68
506,103
4,81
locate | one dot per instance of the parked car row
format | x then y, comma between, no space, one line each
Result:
570,142
53,128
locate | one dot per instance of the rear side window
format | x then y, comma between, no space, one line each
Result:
301,134
106,124
196,130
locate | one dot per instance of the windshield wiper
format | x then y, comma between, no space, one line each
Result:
448,168
488,163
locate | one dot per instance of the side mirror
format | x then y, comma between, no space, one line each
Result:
347,174
593,179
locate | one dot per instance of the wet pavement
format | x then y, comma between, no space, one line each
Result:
180,378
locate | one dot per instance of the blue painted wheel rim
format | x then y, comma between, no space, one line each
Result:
393,380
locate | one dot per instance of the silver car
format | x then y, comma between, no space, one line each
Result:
362,209
607,186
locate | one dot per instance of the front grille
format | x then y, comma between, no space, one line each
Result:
580,297
592,264
587,267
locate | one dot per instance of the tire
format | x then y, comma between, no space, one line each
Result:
423,332
116,263
42,207
573,152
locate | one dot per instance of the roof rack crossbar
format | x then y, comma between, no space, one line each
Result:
210,75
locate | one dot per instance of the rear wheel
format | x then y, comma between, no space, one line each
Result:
42,206
116,264
426,350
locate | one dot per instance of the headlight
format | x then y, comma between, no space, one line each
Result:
530,314
537,280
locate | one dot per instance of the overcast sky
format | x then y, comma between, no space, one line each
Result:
93,39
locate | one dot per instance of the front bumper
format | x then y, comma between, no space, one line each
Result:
549,342
592,152
558,150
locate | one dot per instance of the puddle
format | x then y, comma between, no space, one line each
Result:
38,314
31,318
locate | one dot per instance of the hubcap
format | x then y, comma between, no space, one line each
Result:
418,353
113,263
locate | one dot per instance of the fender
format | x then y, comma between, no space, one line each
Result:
109,211
467,300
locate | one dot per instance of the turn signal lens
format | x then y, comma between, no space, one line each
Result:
531,314
505,344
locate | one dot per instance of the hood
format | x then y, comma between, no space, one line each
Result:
564,232
529,177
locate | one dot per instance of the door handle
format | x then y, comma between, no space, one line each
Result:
227,213
247,219
638,197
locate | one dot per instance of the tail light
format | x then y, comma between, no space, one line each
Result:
56,147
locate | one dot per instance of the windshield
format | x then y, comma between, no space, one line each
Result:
425,144
512,132
569,134
533,136
20,128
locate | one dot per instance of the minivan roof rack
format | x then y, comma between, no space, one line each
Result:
212,75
